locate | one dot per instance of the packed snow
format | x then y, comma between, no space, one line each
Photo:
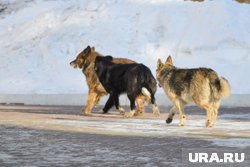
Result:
39,38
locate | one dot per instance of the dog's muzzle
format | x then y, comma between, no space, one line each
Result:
72,64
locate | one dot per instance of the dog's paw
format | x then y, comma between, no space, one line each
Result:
181,124
96,104
209,124
182,120
169,120
129,114
139,113
86,111
156,111
121,111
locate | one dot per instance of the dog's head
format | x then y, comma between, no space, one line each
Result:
81,58
161,66
102,63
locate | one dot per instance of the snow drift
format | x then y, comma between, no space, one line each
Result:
38,39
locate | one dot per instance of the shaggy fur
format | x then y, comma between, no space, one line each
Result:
201,86
133,79
85,61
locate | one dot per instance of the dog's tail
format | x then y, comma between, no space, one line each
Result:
148,90
146,83
225,90
221,89
146,93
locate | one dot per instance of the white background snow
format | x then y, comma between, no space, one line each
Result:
39,38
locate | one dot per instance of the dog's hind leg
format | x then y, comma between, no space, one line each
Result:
209,114
97,99
170,115
109,104
216,106
155,108
151,100
90,102
132,107
140,106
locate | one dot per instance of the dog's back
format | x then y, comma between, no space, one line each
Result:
125,77
194,85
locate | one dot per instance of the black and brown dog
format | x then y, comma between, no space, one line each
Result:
133,79
85,61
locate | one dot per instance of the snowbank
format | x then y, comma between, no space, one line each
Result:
38,39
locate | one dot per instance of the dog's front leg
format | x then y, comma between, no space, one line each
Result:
109,104
117,104
170,115
90,103
179,107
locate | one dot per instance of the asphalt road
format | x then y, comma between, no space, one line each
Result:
29,137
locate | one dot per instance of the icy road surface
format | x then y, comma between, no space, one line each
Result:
62,136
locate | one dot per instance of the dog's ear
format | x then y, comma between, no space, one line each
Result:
169,61
87,50
159,63
93,49
109,58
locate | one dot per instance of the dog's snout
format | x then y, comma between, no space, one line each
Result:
73,64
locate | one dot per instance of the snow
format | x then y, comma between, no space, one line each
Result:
195,126
39,38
